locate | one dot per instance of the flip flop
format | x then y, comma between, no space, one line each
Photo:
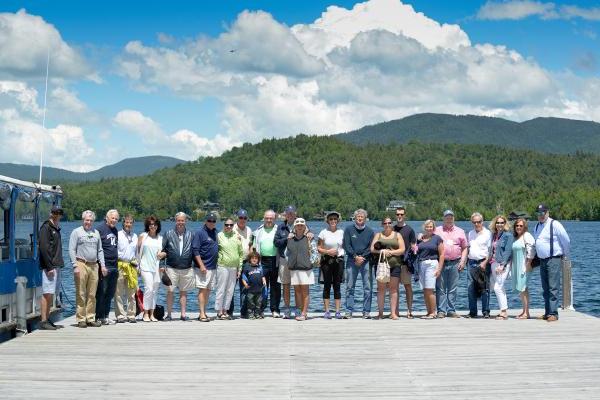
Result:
409,316
427,317
205,319
522,317
502,317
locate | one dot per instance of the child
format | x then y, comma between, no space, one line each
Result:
254,281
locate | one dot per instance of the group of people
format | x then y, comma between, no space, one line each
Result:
267,262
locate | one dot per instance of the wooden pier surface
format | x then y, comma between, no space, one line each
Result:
315,359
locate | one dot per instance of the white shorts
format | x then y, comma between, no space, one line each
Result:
284,272
183,279
302,277
49,284
206,280
427,273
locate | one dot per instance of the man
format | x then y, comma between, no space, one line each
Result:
205,250
455,256
85,252
284,231
480,240
127,282
263,243
242,229
177,248
109,273
50,255
357,245
410,240
552,243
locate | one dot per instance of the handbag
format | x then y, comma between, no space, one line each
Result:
159,312
383,269
139,302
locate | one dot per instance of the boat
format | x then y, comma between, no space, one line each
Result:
20,275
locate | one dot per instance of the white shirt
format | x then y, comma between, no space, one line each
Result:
333,240
541,233
180,238
246,235
126,246
479,243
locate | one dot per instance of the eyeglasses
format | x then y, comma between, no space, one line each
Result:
399,214
477,222
228,225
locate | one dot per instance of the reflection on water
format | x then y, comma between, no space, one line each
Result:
585,237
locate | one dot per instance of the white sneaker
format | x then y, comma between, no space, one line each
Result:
286,315
276,314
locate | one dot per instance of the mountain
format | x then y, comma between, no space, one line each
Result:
324,173
550,135
128,167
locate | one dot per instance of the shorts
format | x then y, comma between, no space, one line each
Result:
401,271
206,280
427,273
284,276
183,279
301,277
49,284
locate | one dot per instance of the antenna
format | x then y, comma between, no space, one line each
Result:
44,117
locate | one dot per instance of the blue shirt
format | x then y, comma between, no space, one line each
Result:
357,242
110,239
205,245
429,250
252,275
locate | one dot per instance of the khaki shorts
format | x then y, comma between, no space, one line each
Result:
285,277
183,279
405,275
206,280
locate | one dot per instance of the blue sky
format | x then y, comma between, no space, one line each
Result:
189,79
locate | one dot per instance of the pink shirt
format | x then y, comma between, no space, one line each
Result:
454,241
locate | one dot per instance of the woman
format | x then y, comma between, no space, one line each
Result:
390,245
331,248
231,256
523,251
430,256
298,254
148,247
499,257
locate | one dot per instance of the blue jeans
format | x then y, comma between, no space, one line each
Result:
550,269
107,285
472,267
446,286
352,272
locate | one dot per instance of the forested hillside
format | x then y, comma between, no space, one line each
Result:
323,173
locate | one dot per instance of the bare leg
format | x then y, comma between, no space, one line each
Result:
305,299
297,296
409,299
326,304
394,283
338,304
45,304
182,302
203,295
169,302
380,297
286,295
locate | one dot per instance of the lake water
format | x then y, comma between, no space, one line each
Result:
585,239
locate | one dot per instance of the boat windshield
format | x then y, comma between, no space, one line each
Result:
24,213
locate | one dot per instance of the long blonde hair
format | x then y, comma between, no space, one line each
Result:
493,223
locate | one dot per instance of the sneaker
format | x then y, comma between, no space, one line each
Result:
261,316
56,325
132,320
82,324
348,316
486,315
95,324
441,315
275,314
286,314
121,320
46,326
168,318
327,315
471,316
104,321
366,315
253,317
338,315
453,315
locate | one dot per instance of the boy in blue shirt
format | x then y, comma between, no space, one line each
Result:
254,282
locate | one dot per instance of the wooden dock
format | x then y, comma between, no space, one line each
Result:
315,359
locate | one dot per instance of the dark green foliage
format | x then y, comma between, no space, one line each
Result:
323,173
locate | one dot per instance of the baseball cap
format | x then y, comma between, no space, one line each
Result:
299,221
211,217
542,208
448,212
290,209
56,209
242,213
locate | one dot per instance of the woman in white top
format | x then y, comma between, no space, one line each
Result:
148,247
331,248
523,251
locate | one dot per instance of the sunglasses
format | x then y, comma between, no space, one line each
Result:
211,221
242,217
519,226
400,214
228,225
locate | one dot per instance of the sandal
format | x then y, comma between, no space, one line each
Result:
428,316
523,316
409,315
204,319
502,317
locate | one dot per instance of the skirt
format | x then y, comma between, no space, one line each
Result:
300,277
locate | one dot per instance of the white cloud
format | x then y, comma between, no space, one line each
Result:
183,143
378,61
519,9
25,41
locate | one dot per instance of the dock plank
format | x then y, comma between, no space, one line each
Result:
279,359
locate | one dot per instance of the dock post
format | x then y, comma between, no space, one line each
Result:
21,282
567,286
